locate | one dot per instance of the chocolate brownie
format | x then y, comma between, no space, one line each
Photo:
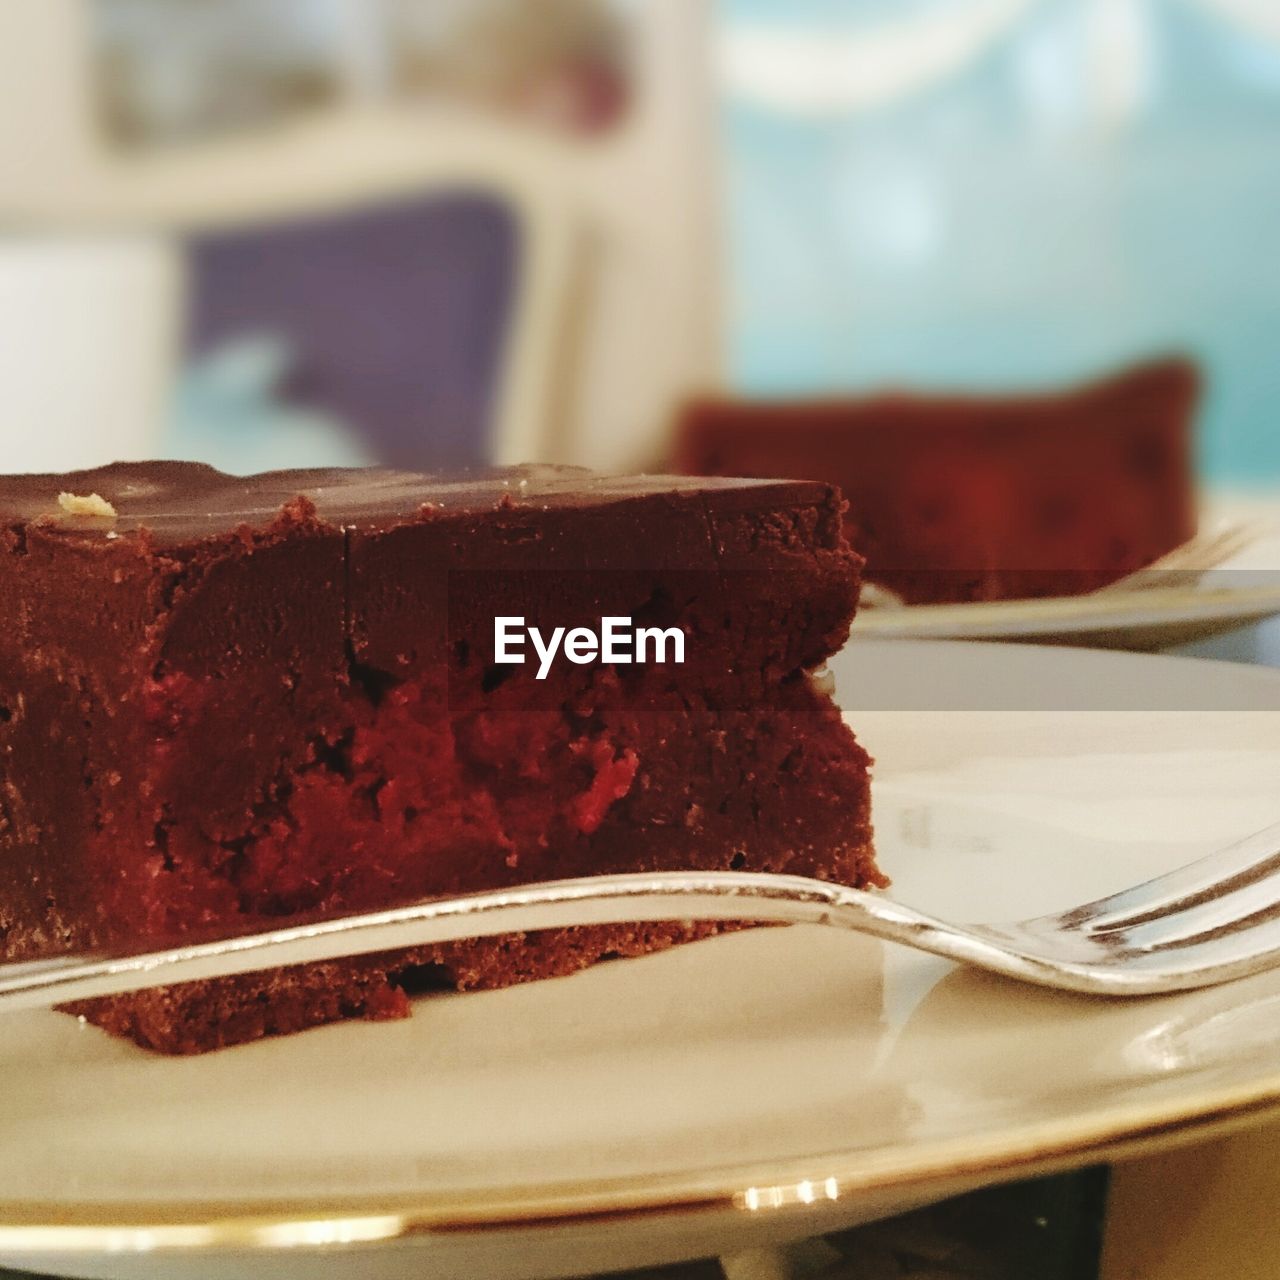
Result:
227,701
957,498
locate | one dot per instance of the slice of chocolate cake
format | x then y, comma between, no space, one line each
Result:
228,701
970,497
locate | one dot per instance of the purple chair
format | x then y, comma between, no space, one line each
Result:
396,316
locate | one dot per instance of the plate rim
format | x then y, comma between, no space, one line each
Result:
798,1185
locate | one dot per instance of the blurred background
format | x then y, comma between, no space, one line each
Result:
441,232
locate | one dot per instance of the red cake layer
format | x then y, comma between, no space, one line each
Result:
955,498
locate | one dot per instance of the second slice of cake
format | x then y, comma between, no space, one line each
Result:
228,701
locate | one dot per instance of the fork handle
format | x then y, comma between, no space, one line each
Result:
744,897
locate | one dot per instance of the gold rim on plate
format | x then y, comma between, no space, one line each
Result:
795,1188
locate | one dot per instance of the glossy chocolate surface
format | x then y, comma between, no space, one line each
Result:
186,501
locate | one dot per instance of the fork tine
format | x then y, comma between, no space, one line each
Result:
1217,957
1233,537
1235,867
1253,903
1192,560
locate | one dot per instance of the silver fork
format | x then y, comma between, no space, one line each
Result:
1187,564
1212,921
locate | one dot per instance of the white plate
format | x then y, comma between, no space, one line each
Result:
770,1083
1243,591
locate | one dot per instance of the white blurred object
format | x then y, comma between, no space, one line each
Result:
1120,39
814,70
88,331
1257,18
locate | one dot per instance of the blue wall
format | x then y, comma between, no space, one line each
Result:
993,231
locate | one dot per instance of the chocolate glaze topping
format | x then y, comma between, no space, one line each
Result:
181,502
